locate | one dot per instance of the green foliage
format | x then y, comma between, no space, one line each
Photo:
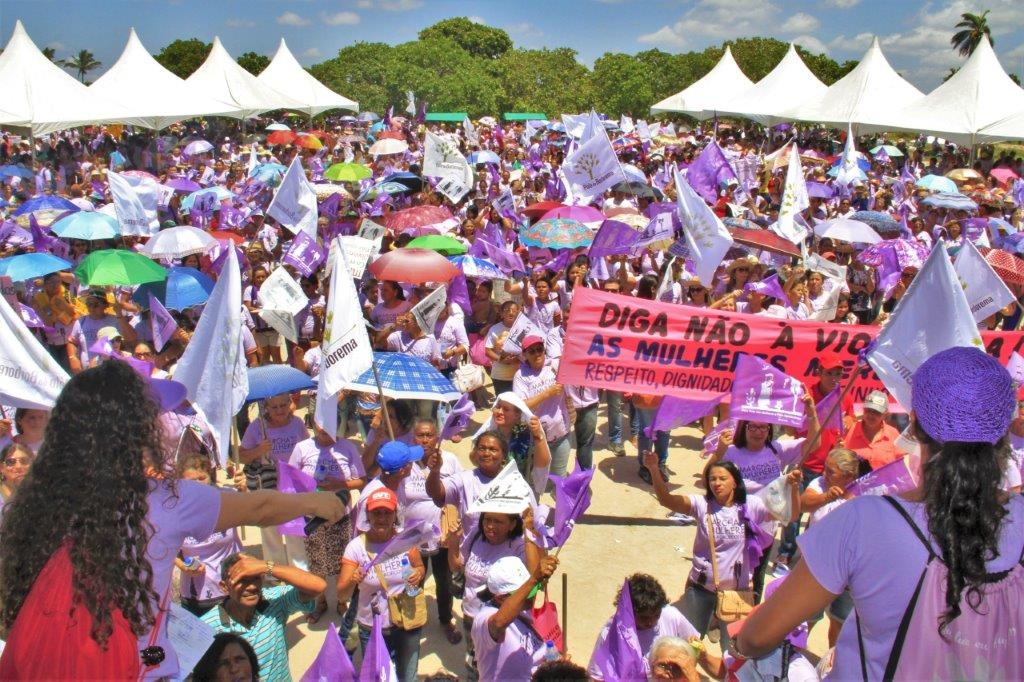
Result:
476,39
183,57
253,62
549,81
82,63
972,29
49,53
363,72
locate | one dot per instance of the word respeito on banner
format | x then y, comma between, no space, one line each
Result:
634,345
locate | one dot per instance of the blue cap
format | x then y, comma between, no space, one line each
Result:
396,454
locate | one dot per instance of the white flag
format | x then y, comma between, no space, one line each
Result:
472,137
135,203
815,263
986,293
373,231
357,253
453,188
574,124
282,299
213,365
932,316
794,200
521,327
593,167
252,159
442,159
429,309
347,352
592,125
626,124
294,203
848,168
643,130
508,493
29,376
706,235
410,103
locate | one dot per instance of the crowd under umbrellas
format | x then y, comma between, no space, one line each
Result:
498,239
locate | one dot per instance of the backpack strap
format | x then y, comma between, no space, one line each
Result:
860,647
913,526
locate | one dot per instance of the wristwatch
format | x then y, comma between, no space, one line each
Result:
270,569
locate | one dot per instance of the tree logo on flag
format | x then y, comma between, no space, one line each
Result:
587,162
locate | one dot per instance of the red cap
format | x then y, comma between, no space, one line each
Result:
532,340
830,361
382,498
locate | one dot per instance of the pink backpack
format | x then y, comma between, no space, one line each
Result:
983,644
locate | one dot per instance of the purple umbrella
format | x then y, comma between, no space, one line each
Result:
183,185
820,190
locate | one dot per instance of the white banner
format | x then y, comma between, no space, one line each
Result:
294,204
442,159
815,263
706,236
986,293
357,253
282,299
593,167
508,493
29,376
135,203
430,308
520,329
453,188
372,231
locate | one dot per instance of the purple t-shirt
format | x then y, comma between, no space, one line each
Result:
212,551
553,416
372,598
419,505
846,549
461,490
478,556
729,541
671,623
192,513
283,439
514,658
339,461
764,466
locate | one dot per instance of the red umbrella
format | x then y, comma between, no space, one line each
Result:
413,266
281,137
535,211
1003,175
230,236
417,216
763,239
392,135
1009,268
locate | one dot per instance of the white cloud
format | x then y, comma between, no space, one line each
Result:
665,36
311,53
293,19
340,18
478,20
851,45
716,19
390,5
801,22
1015,53
842,4
241,23
524,30
57,46
811,43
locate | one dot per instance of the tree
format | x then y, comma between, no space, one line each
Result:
973,27
546,81
82,63
621,84
362,72
50,53
253,62
183,57
477,39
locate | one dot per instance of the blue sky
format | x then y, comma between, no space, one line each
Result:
915,36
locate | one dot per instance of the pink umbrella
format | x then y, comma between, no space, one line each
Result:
1003,175
417,216
413,266
583,214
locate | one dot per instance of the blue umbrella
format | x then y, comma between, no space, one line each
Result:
31,265
46,201
950,200
87,226
406,377
484,156
270,380
472,266
938,183
880,222
219,192
184,288
15,171
265,172
386,188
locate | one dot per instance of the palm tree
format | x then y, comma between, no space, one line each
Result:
49,53
83,63
972,28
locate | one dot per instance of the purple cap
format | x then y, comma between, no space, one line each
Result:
963,395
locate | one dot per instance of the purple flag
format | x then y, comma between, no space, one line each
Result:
30,317
292,480
769,286
101,347
413,536
304,254
507,261
330,206
1015,366
561,261
421,112
495,234
376,665
830,404
572,499
332,663
714,435
458,418
674,412
707,170
765,394
613,238
661,228
162,323
906,175
1018,192
620,657
894,477
458,293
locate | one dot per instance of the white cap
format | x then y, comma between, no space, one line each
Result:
507,575
877,401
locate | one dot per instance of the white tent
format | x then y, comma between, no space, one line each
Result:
1010,128
155,97
789,83
39,94
866,93
706,96
978,94
221,77
286,75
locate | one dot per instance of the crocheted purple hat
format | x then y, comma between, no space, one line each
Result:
963,395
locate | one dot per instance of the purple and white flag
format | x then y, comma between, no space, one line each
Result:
1015,366
620,657
829,408
593,168
674,412
707,238
710,443
572,499
292,480
662,228
708,170
894,477
30,317
458,418
413,536
508,261
613,238
161,322
458,293
376,666
764,394
505,205
304,254
332,663
769,286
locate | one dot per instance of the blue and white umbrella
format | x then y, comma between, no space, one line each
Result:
219,193
87,226
938,183
471,266
483,156
953,201
28,266
270,380
406,377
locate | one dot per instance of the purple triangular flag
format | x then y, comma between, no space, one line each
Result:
376,665
509,262
101,347
763,393
674,412
162,323
823,408
458,293
332,663
413,536
620,657
613,238
572,499
769,286
458,418
707,170
292,480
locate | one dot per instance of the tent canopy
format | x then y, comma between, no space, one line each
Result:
449,116
708,94
789,83
221,77
285,75
523,116
154,97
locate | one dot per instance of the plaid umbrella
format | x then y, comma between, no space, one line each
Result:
1010,268
404,376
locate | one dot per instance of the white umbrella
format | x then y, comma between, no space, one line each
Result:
178,242
388,146
847,230
197,147
277,126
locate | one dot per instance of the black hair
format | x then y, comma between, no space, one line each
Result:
559,671
495,434
403,413
739,495
507,306
961,482
513,533
399,291
645,593
229,561
741,436
647,287
206,668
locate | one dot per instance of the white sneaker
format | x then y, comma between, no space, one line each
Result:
682,518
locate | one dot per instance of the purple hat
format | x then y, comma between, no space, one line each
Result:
963,395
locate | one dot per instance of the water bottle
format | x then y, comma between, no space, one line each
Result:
191,562
551,652
410,590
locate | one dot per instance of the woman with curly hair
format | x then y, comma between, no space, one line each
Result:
88,529
962,405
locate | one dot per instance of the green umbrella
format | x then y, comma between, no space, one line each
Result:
347,172
441,243
117,266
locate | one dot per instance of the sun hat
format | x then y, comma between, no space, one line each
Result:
963,395
382,498
507,575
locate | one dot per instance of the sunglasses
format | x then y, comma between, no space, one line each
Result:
15,461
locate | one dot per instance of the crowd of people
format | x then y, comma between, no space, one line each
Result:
113,491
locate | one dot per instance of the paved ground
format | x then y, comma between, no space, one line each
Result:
624,531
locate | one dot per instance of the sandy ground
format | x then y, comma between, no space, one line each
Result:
625,531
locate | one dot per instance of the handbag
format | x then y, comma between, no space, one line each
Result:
468,377
546,624
405,612
730,605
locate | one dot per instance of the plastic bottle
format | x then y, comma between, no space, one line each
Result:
190,562
551,652
410,590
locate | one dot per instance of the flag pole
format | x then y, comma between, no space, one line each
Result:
235,459
565,609
831,412
384,416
